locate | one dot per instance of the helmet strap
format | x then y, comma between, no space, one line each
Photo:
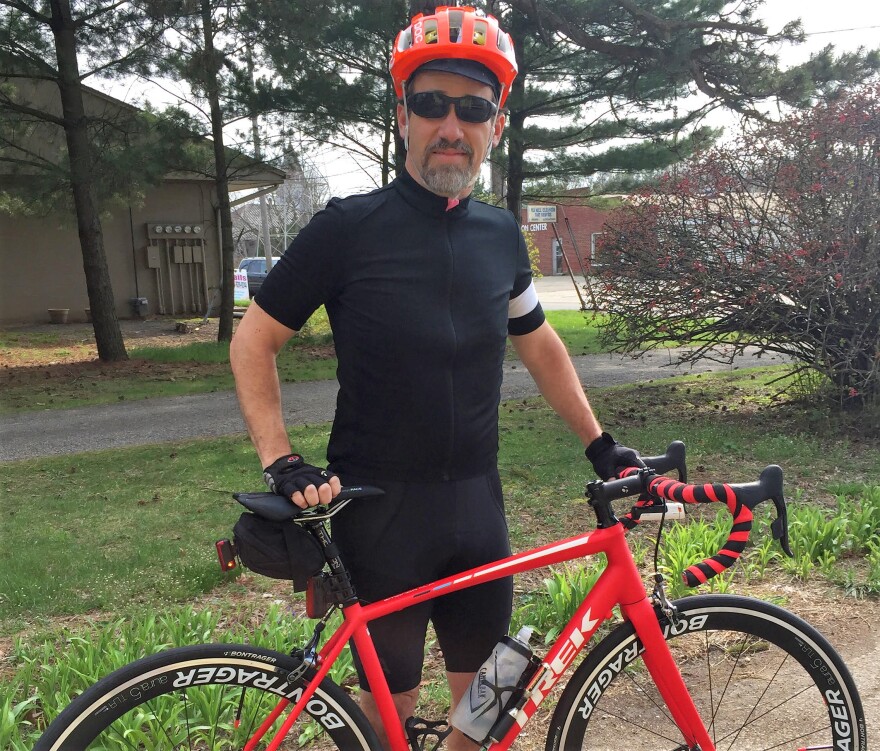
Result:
405,118
494,120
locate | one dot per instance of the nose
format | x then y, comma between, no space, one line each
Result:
450,126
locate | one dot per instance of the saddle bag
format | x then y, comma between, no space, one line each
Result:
279,550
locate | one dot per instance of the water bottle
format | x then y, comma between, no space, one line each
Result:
493,685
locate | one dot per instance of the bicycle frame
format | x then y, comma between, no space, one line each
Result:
619,584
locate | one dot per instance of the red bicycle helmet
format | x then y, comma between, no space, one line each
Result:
454,33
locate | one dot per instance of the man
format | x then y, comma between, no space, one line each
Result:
422,285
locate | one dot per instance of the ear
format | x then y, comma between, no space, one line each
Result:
401,121
499,129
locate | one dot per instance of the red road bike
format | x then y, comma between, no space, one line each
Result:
706,672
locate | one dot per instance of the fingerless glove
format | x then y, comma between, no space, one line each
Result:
290,473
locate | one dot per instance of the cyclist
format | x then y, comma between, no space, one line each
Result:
422,285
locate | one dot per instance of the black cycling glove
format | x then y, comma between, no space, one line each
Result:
290,473
608,457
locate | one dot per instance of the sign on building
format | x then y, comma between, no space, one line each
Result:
538,214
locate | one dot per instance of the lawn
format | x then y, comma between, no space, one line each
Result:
108,556
135,527
47,370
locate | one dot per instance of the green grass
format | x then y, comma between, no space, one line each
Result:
135,526
202,367
46,681
205,353
128,527
122,541
579,330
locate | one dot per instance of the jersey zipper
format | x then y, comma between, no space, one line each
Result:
450,294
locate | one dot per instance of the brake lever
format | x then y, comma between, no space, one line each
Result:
779,526
673,459
769,486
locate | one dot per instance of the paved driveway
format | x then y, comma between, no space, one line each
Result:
132,423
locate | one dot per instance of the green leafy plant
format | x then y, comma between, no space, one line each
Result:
48,672
686,544
549,610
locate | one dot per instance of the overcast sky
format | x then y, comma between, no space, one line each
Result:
846,24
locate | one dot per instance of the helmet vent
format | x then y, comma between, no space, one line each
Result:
404,40
456,18
480,33
432,36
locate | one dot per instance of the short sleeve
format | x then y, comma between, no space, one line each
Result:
525,313
309,272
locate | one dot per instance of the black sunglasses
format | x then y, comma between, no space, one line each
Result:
434,105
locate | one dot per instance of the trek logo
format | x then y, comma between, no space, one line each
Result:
553,670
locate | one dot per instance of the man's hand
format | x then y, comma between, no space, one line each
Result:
304,484
608,457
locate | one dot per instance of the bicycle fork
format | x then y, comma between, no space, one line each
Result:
667,676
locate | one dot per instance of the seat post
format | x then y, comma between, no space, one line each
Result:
339,573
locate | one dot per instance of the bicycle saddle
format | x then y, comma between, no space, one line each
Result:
277,508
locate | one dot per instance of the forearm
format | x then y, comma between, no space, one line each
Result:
259,398
546,358
259,391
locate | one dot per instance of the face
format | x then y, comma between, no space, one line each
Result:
445,154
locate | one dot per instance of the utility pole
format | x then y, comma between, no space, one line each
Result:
264,207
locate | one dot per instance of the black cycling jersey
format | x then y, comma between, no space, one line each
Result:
420,300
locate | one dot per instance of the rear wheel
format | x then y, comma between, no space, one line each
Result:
212,696
760,676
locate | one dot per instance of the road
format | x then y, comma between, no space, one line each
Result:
132,423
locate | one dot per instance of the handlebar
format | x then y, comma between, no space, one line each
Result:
648,485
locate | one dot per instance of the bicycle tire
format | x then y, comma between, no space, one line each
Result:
189,698
760,676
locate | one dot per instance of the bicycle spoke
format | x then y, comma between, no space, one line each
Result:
742,645
185,700
649,696
754,686
749,720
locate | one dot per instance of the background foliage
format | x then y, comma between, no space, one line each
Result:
772,240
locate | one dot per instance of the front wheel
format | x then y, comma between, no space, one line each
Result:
760,677
212,696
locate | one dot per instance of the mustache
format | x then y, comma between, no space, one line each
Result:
443,143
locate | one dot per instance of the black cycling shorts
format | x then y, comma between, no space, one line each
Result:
417,533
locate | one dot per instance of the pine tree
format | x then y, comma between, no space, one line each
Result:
45,42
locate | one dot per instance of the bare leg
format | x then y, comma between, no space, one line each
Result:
404,703
458,684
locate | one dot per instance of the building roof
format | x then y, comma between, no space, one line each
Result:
40,141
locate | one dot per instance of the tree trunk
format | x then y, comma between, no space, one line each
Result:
515,153
515,125
108,335
497,164
227,245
